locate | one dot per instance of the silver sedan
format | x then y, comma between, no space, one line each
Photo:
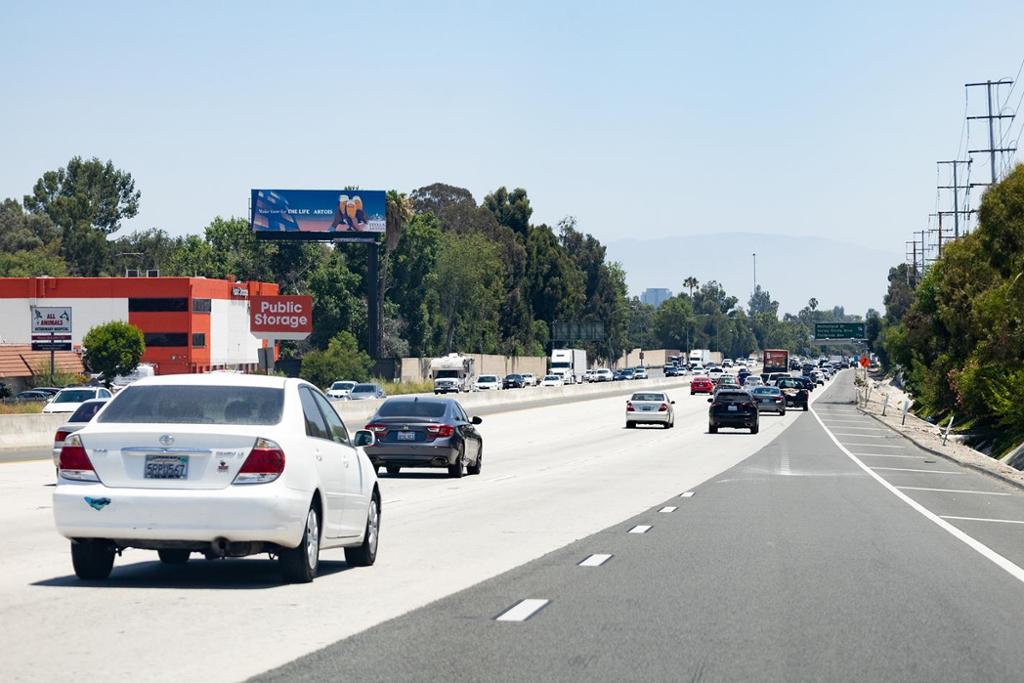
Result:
650,407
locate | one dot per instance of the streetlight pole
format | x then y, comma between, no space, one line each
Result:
755,270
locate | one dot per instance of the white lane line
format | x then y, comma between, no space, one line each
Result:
873,445
865,429
668,508
688,494
980,493
640,529
855,422
863,436
503,478
1006,565
983,519
909,469
890,455
523,610
784,465
595,560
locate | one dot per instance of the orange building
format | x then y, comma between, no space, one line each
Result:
190,324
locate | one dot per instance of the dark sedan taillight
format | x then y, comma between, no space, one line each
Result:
440,431
377,429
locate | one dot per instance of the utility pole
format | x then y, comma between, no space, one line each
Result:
956,187
992,150
755,271
939,233
912,252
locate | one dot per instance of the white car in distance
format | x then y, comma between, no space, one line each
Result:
224,465
552,381
487,383
650,407
341,389
603,375
68,400
529,379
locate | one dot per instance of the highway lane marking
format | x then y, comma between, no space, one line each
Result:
507,476
640,529
1006,565
688,494
595,560
980,493
984,519
873,445
856,422
908,469
866,429
668,508
523,610
863,436
784,466
890,455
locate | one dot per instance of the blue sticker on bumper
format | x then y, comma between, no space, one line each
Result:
97,503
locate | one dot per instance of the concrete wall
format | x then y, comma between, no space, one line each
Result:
652,357
418,369
29,430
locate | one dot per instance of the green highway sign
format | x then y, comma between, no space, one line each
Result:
839,331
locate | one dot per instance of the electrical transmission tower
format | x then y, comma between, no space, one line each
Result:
991,150
955,187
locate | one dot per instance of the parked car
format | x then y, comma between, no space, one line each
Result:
529,379
487,383
31,396
733,409
51,391
640,373
341,389
513,382
81,417
425,432
68,400
701,385
603,375
363,392
769,399
221,464
794,391
650,407
552,381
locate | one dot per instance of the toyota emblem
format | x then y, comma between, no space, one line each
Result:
166,440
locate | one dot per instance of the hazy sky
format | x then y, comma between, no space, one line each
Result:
641,119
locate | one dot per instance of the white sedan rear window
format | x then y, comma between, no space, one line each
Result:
170,404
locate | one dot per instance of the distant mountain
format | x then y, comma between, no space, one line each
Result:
792,268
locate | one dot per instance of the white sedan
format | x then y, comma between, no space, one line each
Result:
68,400
223,465
552,381
341,389
650,407
487,383
529,379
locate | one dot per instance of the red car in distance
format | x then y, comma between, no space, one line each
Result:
701,385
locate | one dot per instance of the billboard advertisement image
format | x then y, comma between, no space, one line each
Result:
317,214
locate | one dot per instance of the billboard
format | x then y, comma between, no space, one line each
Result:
281,317
50,319
317,214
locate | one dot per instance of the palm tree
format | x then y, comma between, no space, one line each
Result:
812,303
691,283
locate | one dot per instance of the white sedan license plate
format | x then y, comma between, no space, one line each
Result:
406,436
733,408
647,408
166,467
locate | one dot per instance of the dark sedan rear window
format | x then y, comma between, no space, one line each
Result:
732,397
406,408
170,404
790,384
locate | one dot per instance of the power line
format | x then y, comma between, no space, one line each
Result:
991,150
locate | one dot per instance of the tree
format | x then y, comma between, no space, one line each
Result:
512,209
86,200
900,294
468,284
761,302
691,283
342,359
672,323
113,349
812,304
413,265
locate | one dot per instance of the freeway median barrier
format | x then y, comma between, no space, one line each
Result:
34,430
491,402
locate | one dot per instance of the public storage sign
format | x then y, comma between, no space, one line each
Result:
281,317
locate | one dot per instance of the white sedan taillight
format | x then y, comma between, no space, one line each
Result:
74,462
264,464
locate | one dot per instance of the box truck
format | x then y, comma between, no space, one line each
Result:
569,363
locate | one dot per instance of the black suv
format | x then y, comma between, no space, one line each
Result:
794,390
731,408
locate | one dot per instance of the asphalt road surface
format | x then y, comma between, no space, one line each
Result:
805,561
793,559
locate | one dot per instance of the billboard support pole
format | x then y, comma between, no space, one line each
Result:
373,300
53,364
